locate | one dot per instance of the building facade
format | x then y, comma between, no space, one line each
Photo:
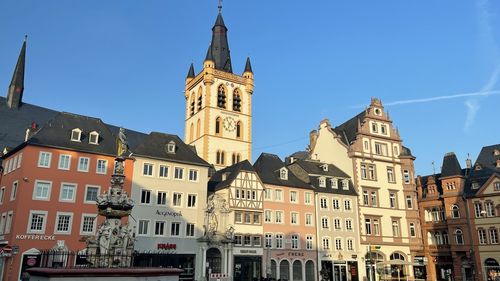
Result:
369,149
219,105
289,222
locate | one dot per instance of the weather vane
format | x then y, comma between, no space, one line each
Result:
220,6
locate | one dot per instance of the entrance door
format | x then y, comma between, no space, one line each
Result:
214,260
247,268
339,272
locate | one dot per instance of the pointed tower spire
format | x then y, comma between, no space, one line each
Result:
16,87
191,71
248,66
219,47
209,56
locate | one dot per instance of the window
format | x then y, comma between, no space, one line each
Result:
42,190
268,194
325,243
279,241
236,100
392,200
247,240
143,228
390,175
63,223
309,219
64,162
347,205
67,192
83,164
294,218
338,244
221,97
177,199
37,222
409,202
163,172
383,129
278,217
345,184
147,169
247,218
374,128
308,198
175,229
482,236
13,192
236,158
334,183
337,224
239,128
268,216
160,228
406,176
395,228
368,172
102,166
493,236
380,148
322,182
256,241
217,125
350,245
76,134
309,242
193,175
94,138
191,201
237,240
368,226
3,221
171,147
366,198
373,197
455,212
295,241
178,173
293,197
459,236
2,194
496,186
268,240
413,232
88,224
324,223
278,195
478,209
335,204
91,193
490,209
44,159
237,217
323,203
190,230
145,196
376,227
348,224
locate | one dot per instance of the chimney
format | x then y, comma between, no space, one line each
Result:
468,162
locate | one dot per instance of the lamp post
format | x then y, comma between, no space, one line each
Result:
268,261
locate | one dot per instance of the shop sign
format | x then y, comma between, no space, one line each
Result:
35,237
168,213
248,251
295,254
166,246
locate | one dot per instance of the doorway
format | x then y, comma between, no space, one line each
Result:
214,260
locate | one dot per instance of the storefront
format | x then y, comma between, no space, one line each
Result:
419,268
339,269
492,269
247,264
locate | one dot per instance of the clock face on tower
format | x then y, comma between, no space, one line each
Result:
229,124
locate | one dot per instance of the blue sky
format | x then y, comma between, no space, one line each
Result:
125,62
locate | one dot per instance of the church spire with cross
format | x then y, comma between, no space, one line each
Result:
16,87
219,46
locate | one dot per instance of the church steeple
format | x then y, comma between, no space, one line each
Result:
219,47
16,87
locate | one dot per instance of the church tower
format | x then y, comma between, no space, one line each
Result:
219,105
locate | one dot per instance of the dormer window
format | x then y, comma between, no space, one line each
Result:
496,152
478,167
76,134
498,163
283,174
475,185
322,182
345,184
325,167
94,137
334,182
171,147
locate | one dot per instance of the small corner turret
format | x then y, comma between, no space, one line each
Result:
248,75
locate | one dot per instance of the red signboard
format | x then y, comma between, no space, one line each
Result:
167,246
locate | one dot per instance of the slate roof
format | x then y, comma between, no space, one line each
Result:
268,168
347,131
154,146
315,171
487,161
219,47
425,180
450,166
14,122
217,182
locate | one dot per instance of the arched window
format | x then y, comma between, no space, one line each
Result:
218,157
222,158
445,238
459,237
221,97
191,108
200,98
198,128
238,129
297,270
455,211
236,100
398,270
191,132
284,270
217,125
310,270
238,158
234,158
438,238
273,269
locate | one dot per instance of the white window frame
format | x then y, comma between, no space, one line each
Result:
86,191
2,194
14,190
150,196
49,192
158,197
173,198
281,217
190,195
297,218
160,167
49,157
79,166
309,242
94,224
268,194
181,175
194,230
292,199
8,222
194,172
308,222
75,188
96,135
147,228
172,228
79,132
32,212
70,223
280,197
308,198
150,169
59,166
105,167
154,234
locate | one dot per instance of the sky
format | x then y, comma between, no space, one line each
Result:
434,64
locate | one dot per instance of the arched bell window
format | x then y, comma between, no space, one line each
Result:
191,107
236,100
200,98
221,97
